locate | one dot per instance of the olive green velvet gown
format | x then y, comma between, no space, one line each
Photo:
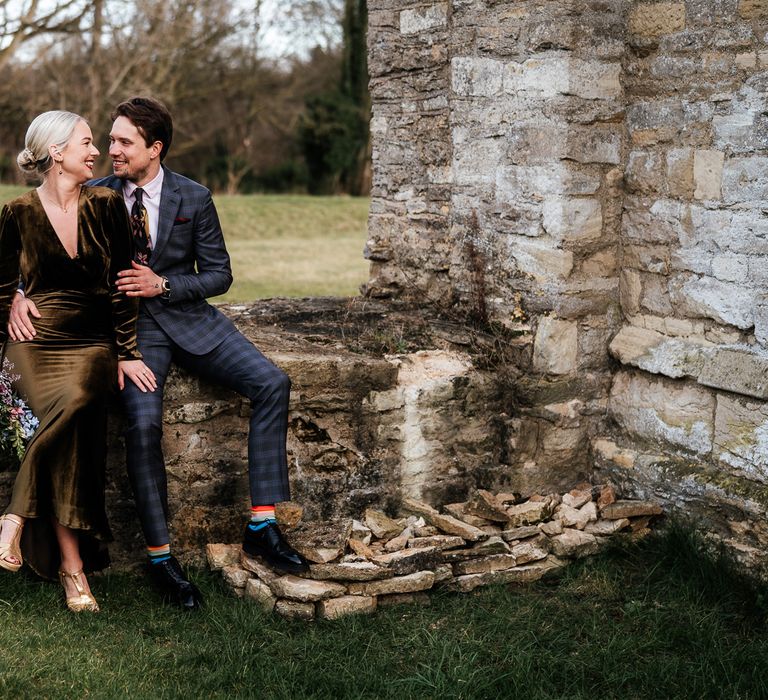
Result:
69,368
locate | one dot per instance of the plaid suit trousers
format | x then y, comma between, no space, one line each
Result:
236,364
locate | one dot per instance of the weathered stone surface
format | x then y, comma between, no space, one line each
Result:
382,526
335,608
528,513
409,560
483,504
427,531
399,542
439,541
459,510
708,174
589,510
495,562
655,352
604,528
321,542
553,527
221,555
570,517
352,571
576,498
556,346
741,436
520,574
630,509
574,543
443,573
235,576
654,19
607,495
295,610
446,523
419,581
525,553
305,590
288,514
255,566
520,533
259,591
361,532
656,409
360,548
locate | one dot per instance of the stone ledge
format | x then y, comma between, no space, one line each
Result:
376,388
395,567
740,370
727,506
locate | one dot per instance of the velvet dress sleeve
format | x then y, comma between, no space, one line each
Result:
10,251
124,309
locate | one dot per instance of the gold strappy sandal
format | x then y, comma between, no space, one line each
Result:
83,601
11,549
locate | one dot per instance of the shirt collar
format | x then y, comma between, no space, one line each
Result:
152,189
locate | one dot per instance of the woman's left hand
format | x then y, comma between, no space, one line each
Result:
141,375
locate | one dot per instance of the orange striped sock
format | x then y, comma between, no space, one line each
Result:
261,515
158,554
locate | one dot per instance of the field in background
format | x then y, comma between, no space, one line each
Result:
288,245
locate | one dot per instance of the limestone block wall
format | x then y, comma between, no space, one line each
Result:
694,365
608,163
498,141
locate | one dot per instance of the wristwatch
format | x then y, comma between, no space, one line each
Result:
166,288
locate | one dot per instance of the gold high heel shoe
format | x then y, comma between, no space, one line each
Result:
82,601
11,549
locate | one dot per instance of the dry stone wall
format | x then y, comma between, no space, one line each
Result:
357,566
608,162
365,426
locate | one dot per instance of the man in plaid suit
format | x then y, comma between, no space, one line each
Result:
186,262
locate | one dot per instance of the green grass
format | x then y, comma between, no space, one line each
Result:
658,619
288,245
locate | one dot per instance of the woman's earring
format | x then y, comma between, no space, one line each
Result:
60,170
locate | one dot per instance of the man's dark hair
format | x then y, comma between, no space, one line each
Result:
150,117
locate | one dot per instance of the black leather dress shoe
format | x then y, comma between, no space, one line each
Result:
269,544
174,586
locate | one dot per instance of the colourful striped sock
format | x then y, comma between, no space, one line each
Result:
261,516
158,554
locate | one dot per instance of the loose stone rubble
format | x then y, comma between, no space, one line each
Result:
385,561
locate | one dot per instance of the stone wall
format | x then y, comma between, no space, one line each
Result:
608,163
498,141
692,383
365,427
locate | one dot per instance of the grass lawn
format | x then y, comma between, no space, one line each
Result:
288,245
651,620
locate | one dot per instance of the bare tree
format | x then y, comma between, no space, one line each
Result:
24,20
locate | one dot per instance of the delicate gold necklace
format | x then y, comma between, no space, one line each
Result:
64,207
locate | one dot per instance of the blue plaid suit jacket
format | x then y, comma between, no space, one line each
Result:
190,252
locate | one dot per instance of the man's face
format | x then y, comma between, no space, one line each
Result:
132,158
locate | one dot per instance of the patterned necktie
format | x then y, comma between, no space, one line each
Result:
142,244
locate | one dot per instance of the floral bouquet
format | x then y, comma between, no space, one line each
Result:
17,422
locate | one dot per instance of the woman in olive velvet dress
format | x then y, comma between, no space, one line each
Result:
67,242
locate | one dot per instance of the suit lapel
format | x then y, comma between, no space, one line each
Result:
170,200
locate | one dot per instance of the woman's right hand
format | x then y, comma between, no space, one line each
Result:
141,375
19,323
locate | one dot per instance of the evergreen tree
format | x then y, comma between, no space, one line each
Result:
334,129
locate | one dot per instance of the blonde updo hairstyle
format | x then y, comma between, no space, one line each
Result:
52,128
